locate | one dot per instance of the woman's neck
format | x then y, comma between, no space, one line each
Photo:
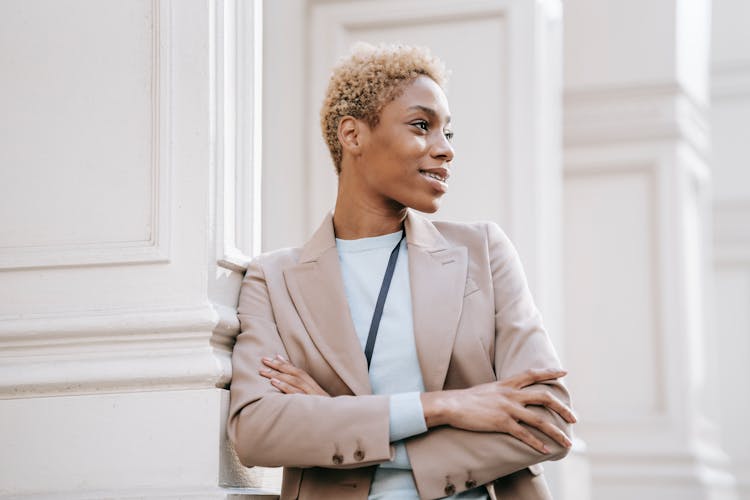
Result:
354,217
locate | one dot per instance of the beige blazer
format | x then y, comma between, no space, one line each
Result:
474,322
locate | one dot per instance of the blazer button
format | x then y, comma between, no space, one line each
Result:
450,489
359,455
471,483
338,459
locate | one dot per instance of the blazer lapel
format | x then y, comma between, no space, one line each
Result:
316,287
438,274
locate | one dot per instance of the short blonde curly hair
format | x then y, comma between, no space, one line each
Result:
366,80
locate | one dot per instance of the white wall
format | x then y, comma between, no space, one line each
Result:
125,216
638,282
730,115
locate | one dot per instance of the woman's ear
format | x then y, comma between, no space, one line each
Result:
350,133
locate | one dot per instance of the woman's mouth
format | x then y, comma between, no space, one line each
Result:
432,175
438,178
440,174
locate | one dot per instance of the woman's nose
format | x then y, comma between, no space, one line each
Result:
443,149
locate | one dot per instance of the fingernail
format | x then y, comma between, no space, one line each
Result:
545,449
282,358
266,358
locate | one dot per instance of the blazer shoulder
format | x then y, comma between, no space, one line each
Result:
469,233
276,259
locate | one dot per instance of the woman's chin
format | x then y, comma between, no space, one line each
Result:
428,207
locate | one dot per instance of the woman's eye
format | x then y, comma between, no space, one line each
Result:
422,125
449,135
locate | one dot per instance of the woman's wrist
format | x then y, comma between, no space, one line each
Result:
437,407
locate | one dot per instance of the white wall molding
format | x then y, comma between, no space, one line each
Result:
634,113
606,168
236,88
113,379
81,352
637,180
155,248
645,223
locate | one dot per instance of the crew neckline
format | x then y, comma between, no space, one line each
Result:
370,243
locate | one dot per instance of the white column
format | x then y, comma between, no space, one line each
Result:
637,201
127,207
730,116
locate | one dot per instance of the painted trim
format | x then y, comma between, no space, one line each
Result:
236,123
647,112
91,352
156,247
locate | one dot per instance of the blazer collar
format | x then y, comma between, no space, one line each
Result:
438,273
422,233
323,239
419,232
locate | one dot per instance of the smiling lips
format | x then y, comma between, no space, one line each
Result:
440,174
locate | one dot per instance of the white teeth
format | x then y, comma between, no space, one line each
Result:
434,176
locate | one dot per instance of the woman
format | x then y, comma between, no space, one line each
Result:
392,357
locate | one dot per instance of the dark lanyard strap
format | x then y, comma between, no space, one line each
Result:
375,323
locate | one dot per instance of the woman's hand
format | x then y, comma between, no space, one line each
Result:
288,378
501,407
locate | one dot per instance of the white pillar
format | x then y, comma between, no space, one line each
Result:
730,116
127,210
636,205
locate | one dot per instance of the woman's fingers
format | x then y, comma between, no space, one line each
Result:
545,398
534,376
282,365
288,380
285,387
532,419
284,371
518,431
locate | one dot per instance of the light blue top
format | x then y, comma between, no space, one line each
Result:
394,368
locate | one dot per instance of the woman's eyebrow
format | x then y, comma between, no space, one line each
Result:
430,112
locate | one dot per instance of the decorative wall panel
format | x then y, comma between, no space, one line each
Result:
85,139
611,238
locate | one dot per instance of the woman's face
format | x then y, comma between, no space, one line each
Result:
405,158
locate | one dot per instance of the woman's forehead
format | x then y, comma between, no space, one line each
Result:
424,95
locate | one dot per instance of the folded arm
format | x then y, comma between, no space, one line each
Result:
270,428
487,431
470,454
471,457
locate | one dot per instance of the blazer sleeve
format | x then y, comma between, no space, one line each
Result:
268,428
470,458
